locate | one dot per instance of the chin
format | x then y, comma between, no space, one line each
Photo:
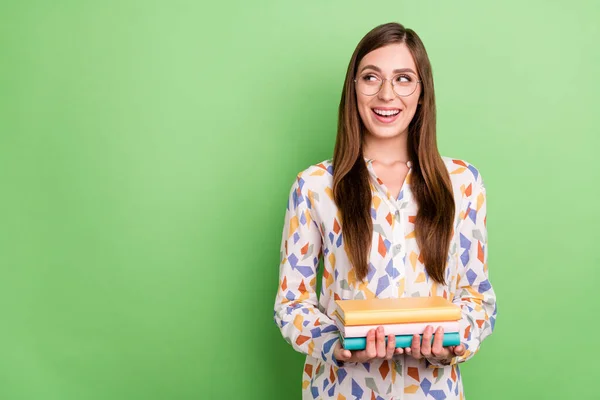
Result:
385,133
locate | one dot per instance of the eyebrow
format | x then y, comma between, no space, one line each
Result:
396,71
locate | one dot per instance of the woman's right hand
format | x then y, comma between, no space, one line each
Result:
376,348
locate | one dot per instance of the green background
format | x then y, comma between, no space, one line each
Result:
147,150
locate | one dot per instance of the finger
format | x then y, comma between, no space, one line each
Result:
399,350
370,350
426,342
391,346
415,347
437,349
380,341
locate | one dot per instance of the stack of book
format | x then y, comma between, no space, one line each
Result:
402,317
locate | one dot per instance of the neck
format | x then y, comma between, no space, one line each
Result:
386,150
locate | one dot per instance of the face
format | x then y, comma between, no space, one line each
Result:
385,114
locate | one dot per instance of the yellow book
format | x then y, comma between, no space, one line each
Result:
396,311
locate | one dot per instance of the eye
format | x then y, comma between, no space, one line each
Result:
403,78
370,78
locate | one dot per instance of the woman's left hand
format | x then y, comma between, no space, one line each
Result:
435,351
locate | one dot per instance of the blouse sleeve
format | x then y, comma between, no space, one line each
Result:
474,292
297,314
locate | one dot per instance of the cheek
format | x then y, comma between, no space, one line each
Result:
363,108
413,100
412,106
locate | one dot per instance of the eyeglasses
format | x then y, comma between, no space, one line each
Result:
403,84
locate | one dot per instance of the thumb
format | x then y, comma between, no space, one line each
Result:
346,354
342,354
459,350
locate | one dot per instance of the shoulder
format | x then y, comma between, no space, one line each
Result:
317,177
312,188
463,174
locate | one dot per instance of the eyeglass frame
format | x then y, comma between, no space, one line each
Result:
392,82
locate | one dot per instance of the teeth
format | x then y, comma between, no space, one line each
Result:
386,113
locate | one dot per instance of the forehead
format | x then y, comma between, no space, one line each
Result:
390,57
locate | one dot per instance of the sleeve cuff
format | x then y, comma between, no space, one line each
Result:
329,351
435,363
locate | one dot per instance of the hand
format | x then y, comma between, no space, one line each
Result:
376,348
435,351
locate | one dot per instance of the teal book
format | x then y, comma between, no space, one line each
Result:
359,343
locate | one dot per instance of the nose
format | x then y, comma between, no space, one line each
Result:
387,91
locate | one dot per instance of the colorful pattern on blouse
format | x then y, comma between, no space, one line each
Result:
312,231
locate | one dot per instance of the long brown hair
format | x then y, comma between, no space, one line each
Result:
430,182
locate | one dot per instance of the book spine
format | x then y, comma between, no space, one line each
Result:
450,339
400,317
399,329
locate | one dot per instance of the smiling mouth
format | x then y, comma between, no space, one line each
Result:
386,116
386,113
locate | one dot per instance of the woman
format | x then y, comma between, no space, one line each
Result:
390,218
